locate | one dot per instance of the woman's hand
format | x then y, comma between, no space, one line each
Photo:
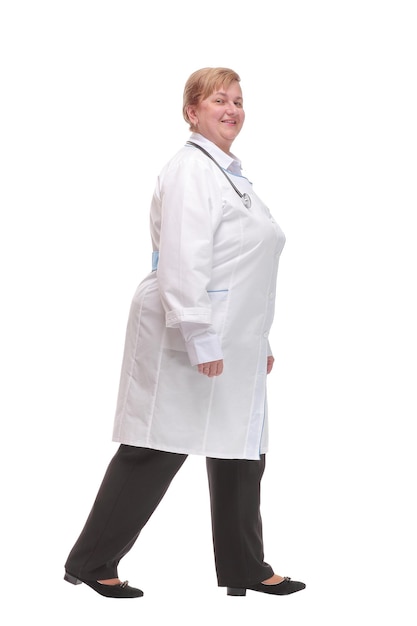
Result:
213,368
269,364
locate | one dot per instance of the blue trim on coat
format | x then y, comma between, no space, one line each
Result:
155,260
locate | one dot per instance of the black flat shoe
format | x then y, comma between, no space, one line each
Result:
284,588
109,591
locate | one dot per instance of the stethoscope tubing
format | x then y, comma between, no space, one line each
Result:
243,196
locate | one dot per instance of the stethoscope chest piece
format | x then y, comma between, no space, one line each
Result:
246,200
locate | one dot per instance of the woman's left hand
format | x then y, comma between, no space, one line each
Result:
213,368
269,364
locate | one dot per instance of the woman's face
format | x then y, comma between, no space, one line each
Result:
220,117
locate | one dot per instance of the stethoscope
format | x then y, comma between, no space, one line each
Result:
244,196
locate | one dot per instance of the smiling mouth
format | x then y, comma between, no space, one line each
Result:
229,122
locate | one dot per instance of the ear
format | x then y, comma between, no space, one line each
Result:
192,114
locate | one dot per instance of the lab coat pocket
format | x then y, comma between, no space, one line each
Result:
219,299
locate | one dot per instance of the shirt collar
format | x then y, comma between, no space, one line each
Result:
226,161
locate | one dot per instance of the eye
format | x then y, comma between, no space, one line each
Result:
219,100
239,104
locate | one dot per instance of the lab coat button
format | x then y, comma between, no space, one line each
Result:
271,295
265,335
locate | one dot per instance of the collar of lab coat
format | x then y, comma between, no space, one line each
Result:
227,161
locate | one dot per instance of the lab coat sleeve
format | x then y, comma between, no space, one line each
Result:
191,206
202,342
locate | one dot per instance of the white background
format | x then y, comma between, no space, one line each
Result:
90,112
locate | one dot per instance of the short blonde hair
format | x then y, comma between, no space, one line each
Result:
204,82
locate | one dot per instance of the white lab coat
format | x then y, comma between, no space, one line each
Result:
217,267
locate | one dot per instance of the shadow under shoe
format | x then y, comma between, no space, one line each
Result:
109,591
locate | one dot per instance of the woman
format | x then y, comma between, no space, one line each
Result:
196,356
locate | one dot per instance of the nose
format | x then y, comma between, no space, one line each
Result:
232,108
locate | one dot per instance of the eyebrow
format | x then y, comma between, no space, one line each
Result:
222,93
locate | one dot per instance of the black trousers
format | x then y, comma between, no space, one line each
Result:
133,486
